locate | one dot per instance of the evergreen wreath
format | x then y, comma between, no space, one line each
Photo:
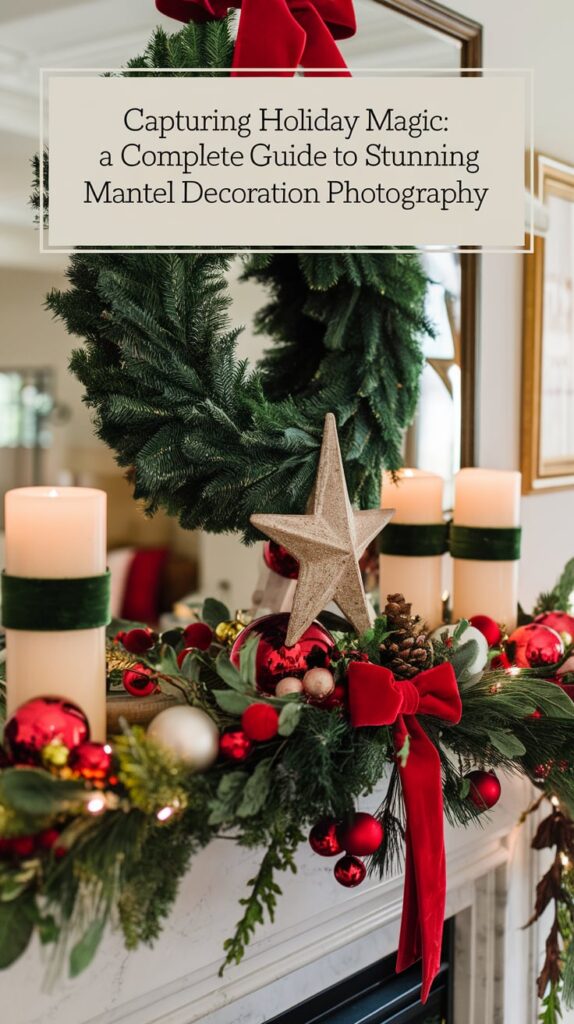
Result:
203,435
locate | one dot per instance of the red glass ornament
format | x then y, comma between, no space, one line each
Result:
362,835
139,681
91,761
501,661
40,722
490,629
534,646
484,789
274,660
278,559
561,622
260,722
198,635
138,641
324,838
349,871
235,745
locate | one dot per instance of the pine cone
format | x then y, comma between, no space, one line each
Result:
408,650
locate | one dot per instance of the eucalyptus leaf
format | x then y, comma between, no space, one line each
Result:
16,926
84,951
403,753
248,659
168,661
229,793
232,702
507,743
464,788
228,672
289,718
34,792
256,790
214,612
463,657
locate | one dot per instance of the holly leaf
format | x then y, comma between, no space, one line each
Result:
16,926
232,702
289,718
228,672
256,790
214,612
35,792
84,951
507,743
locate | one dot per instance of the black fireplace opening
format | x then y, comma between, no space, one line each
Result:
377,995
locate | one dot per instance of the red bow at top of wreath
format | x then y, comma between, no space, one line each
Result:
278,33
377,698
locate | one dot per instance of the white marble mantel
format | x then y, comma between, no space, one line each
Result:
322,933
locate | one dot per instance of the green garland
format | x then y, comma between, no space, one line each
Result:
202,434
317,766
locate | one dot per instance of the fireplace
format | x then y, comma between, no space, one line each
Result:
377,995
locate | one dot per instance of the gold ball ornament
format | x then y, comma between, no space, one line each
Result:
318,683
227,632
187,733
287,685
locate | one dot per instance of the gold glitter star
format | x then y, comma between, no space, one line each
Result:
327,543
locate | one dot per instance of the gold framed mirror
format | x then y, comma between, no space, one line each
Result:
547,434
423,34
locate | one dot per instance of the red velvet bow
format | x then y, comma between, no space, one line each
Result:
377,698
278,33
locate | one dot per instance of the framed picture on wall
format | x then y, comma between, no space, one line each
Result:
548,348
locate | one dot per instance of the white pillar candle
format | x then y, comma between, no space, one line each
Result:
417,497
487,498
57,533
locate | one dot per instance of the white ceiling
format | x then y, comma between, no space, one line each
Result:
106,33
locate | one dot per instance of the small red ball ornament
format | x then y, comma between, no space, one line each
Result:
324,838
559,621
362,835
23,846
534,646
44,722
139,681
484,789
260,722
91,761
274,660
490,629
138,641
48,838
198,635
235,745
278,559
349,871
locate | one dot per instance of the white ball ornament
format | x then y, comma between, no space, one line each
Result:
290,684
480,661
318,682
188,733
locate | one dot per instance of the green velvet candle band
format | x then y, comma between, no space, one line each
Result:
416,540
55,605
486,544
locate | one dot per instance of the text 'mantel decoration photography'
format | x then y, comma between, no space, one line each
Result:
287,644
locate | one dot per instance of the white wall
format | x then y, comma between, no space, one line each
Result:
535,35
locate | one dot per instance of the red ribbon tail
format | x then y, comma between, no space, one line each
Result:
425,866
